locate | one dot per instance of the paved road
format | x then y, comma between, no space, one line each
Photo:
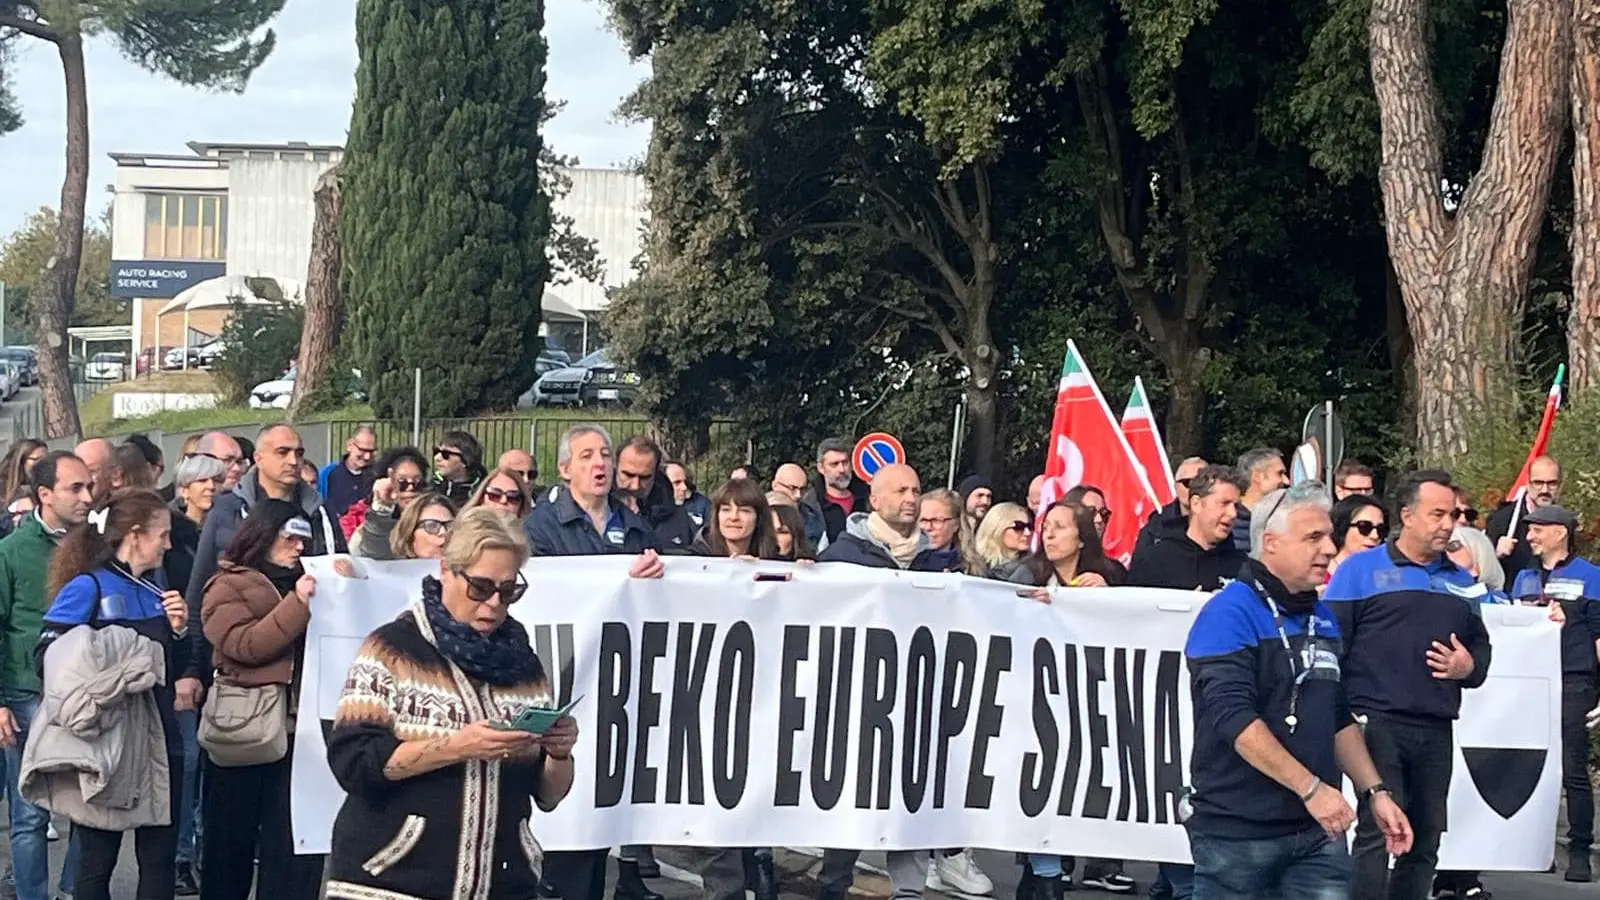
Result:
680,883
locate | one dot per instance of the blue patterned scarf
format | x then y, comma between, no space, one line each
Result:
502,658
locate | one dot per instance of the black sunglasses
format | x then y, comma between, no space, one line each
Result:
408,484
1366,529
496,495
446,453
1467,513
1020,527
482,590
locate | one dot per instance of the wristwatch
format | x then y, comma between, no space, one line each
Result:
1375,790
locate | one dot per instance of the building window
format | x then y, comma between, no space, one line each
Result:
185,226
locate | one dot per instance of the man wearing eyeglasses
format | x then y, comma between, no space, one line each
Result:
1274,736
1414,639
790,480
349,479
1352,478
275,475
1511,544
220,446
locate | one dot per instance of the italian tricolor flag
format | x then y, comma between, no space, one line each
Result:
1149,451
1087,446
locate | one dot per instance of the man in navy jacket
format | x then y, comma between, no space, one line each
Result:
1557,575
584,519
1413,639
889,537
1273,731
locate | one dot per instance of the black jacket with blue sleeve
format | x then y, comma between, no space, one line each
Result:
1249,659
1575,584
1391,610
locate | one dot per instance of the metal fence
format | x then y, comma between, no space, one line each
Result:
540,436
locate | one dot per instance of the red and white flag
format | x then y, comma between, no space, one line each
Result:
1149,451
1087,447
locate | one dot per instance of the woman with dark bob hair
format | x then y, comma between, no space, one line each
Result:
739,525
439,792
255,612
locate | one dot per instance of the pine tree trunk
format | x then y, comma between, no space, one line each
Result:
1401,354
60,405
1464,278
1583,326
324,321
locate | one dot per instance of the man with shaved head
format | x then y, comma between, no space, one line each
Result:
520,462
1511,544
98,455
275,475
790,481
220,446
349,479
888,537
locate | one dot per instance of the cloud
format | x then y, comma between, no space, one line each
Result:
302,93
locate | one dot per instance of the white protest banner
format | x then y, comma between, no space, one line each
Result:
850,707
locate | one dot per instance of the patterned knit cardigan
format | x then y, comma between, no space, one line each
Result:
458,833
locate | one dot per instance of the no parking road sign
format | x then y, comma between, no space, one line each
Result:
875,451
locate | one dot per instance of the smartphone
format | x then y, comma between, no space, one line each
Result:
538,719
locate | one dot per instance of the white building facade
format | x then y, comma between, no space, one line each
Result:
246,209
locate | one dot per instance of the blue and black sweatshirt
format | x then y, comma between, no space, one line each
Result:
1240,671
1575,584
112,596
1391,610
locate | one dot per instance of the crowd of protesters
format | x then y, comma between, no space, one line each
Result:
1340,633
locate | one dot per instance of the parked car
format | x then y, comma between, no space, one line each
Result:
277,393
210,353
10,380
26,359
609,384
546,363
594,379
106,367
174,358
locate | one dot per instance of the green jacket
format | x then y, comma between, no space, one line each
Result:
24,558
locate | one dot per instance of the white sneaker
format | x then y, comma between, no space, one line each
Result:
50,833
958,875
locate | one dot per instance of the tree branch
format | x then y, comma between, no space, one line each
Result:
31,28
1197,264
980,186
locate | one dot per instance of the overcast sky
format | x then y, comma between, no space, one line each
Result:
301,93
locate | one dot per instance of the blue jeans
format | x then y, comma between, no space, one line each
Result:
1173,882
30,846
189,804
1308,865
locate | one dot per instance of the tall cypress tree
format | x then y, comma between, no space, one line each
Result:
444,223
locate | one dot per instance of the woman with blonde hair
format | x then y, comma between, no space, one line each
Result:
505,490
439,793
947,529
1002,540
